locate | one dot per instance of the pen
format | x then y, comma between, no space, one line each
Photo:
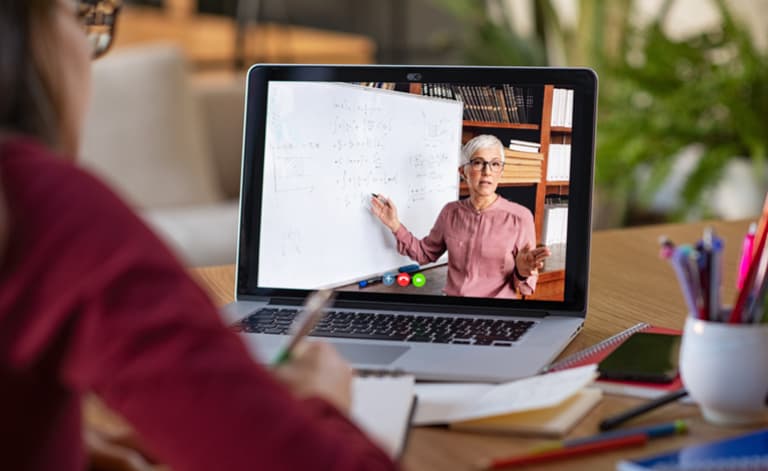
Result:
577,450
679,263
688,257
746,255
715,274
312,312
616,420
369,281
654,431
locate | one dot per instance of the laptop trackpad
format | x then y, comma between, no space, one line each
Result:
370,354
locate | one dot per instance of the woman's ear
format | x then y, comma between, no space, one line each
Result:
461,173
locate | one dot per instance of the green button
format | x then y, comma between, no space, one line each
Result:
419,280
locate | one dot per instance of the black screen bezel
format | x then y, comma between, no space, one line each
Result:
584,83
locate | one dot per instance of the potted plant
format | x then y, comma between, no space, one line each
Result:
659,96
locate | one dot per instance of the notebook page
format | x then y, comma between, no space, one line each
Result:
381,406
476,401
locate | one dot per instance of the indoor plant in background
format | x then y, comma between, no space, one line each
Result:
702,97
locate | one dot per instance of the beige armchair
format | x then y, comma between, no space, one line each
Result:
170,144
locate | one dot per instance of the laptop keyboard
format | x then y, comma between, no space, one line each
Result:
397,327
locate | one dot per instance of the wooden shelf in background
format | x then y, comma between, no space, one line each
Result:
491,124
210,39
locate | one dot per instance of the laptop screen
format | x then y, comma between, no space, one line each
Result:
409,187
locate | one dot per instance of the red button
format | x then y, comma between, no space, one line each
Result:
403,279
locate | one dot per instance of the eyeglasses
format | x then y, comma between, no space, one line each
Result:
98,18
479,165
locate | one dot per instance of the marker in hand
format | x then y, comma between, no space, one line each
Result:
381,198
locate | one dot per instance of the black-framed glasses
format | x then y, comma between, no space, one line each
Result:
479,165
98,18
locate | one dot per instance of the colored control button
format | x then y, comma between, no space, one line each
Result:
389,279
403,279
419,280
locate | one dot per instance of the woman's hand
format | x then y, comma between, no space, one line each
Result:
386,211
107,452
529,261
316,369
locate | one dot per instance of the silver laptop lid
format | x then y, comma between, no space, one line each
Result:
326,148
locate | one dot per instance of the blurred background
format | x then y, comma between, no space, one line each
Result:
682,133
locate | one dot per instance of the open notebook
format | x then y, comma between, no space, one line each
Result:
383,406
546,405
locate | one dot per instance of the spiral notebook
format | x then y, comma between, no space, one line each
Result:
600,350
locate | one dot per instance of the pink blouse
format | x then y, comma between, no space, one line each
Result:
481,245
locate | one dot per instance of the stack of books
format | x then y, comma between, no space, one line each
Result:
522,162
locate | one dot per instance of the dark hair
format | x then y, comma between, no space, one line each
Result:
28,104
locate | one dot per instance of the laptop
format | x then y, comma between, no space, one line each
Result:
321,141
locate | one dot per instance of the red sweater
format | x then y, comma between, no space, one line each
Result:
91,300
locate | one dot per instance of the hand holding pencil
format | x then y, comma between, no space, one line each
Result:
314,369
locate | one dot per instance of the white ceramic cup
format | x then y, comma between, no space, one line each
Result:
724,367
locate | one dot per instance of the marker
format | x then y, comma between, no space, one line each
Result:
369,281
381,198
413,268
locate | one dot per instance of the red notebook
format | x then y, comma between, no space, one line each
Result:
597,352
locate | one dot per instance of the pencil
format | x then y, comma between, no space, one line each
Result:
312,312
577,450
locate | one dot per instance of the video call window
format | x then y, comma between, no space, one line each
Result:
387,176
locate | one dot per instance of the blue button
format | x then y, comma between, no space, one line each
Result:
389,279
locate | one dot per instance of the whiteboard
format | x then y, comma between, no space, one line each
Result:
327,147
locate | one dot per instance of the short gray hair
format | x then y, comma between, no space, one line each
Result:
480,142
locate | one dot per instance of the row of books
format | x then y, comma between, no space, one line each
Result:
496,104
522,167
562,108
382,85
555,230
559,162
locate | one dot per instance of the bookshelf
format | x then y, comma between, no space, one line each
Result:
544,122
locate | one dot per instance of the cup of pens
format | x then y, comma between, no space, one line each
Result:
724,351
724,367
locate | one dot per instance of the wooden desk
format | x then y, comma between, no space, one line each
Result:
629,283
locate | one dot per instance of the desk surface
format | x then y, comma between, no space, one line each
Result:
628,284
